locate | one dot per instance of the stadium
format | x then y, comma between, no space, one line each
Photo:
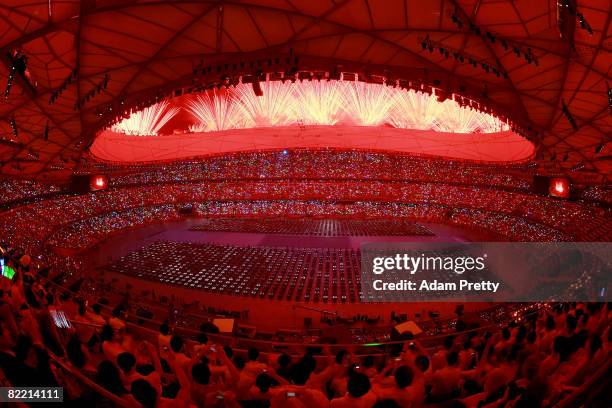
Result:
325,203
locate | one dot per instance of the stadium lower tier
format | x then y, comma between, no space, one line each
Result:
87,232
70,220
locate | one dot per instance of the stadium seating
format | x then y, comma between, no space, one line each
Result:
99,352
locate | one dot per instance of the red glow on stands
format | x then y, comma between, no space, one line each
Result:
486,147
559,187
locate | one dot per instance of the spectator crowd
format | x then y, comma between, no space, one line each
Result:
534,360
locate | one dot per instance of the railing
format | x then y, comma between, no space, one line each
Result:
136,322
75,373
593,387
594,384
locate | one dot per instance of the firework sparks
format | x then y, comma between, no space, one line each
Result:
367,104
148,121
319,102
415,110
275,108
325,102
215,111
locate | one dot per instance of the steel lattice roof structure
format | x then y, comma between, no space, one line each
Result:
535,62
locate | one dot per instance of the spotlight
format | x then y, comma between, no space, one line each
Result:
14,127
335,73
584,24
475,29
20,62
568,115
441,95
19,65
455,19
257,87
9,82
578,166
567,4
528,58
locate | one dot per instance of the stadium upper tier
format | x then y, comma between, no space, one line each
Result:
311,114
325,164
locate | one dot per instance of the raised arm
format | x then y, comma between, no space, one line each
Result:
153,353
234,373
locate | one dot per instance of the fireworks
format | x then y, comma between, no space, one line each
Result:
276,107
317,103
214,111
320,102
148,121
415,110
367,104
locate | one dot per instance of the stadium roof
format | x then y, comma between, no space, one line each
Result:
89,60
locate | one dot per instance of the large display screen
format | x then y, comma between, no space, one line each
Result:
559,187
